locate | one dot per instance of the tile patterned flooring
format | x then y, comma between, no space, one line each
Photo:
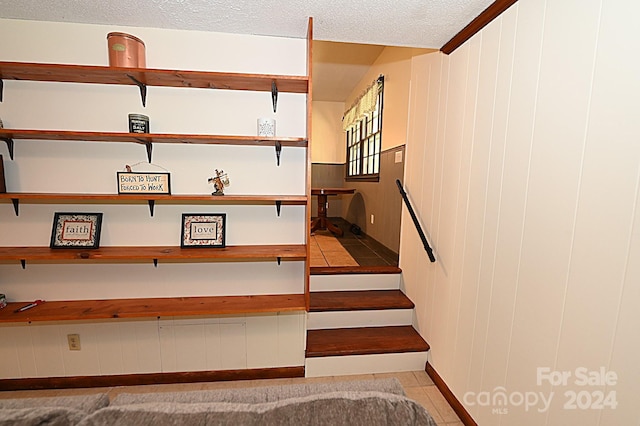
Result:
326,250
417,385
365,250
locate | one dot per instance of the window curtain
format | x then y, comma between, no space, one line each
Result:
364,105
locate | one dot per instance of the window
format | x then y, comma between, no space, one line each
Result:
363,128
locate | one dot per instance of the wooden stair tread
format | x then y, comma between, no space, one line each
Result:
322,301
364,341
340,270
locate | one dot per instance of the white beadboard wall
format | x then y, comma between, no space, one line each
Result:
153,346
523,164
62,166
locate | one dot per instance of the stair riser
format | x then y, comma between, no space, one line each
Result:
352,282
365,364
350,319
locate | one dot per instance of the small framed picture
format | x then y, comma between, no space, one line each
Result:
203,230
76,230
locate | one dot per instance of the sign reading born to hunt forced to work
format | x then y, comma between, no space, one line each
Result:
143,183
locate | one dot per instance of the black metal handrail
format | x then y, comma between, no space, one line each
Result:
425,243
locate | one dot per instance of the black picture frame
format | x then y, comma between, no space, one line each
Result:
76,230
200,230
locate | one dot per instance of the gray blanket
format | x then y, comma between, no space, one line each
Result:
346,408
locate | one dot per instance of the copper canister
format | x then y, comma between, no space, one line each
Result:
126,50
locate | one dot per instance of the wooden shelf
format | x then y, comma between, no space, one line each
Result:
132,254
151,77
145,138
152,307
151,199
155,307
47,198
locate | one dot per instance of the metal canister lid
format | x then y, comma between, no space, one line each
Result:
125,35
139,117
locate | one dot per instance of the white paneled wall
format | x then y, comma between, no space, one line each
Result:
88,167
153,346
523,163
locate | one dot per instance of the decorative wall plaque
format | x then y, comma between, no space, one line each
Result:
76,230
203,230
144,183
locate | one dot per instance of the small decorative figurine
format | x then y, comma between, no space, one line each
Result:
219,181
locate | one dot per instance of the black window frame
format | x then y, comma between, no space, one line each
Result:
364,144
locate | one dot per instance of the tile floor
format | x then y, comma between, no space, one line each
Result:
365,250
326,250
417,385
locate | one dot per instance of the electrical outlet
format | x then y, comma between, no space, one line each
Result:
372,219
74,342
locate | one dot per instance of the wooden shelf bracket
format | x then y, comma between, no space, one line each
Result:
155,262
278,205
9,142
142,87
23,262
279,259
1,89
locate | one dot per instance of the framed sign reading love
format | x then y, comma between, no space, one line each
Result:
203,230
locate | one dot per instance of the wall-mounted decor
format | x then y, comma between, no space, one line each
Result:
266,127
76,230
203,230
144,182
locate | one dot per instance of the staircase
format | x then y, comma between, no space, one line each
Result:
359,324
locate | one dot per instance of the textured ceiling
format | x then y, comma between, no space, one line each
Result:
348,35
411,23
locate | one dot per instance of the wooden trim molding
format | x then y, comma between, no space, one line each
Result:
457,406
149,379
343,270
307,190
489,14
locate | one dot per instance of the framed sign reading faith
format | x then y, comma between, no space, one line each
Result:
76,230
203,230
143,183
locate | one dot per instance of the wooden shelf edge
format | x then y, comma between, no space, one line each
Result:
146,138
127,254
79,310
44,196
94,74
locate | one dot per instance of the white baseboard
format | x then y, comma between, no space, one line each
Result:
365,364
